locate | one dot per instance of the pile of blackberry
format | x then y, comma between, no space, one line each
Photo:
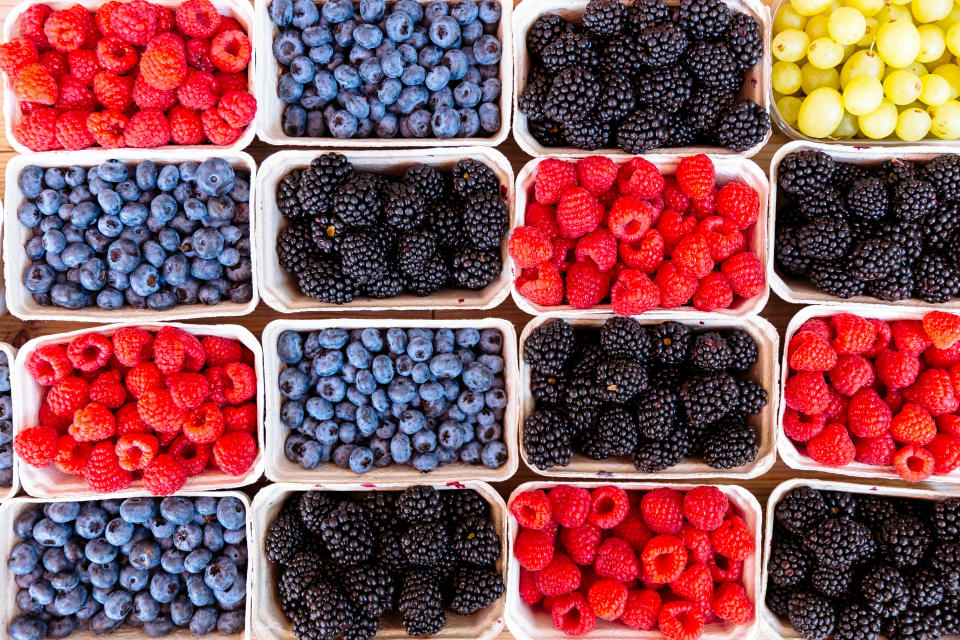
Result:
889,231
345,561
644,76
855,566
654,393
353,234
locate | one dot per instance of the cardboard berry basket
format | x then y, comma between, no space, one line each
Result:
280,469
8,603
527,623
237,9
800,291
270,107
272,623
51,483
280,290
755,83
8,492
728,169
20,302
764,371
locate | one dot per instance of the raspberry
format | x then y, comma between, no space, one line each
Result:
581,543
228,81
75,95
242,418
230,51
158,411
800,427
234,453
697,542
31,24
37,131
166,20
198,91
191,456
691,256
819,326
607,598
586,286
103,471
639,178
832,446
739,203
597,173
942,328
185,126
135,22
634,531
569,505
558,578
694,584
237,108
113,91
136,450
877,451
531,509
933,390
695,175
16,54
645,254
630,218
147,96
854,334
528,588
55,62
836,410
554,177
910,337
72,456
198,18
107,127
83,65
533,549
913,425
949,424
608,506
807,392
198,57
713,293
175,350
704,207
599,246
641,609
896,369
850,374
49,364
217,130
662,510
572,615
47,418
945,449
529,247
89,351
93,422
633,293
674,227
745,274
914,463
164,476
241,382
675,289
65,30
68,395
942,358
108,390
809,351
544,287
543,218
35,84
36,445
722,237
704,507
203,424
883,339
147,128
894,399
664,559
128,420
616,559
731,603
115,55
732,539
164,62
188,390
578,213
142,378
72,133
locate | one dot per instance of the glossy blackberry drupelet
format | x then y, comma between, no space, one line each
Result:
549,346
532,101
903,540
710,352
459,506
857,622
548,390
426,180
419,503
625,338
573,93
420,604
912,199
379,510
389,284
614,433
475,269
414,249
840,542
620,380
346,535
425,543
935,280
743,349
296,248
643,131
569,49
471,177
485,219
475,589
657,413
589,133
744,38
731,444
319,182
704,19
667,89
431,279
788,253
708,397
403,206
811,615
884,591
661,44
671,342
369,587
362,258
895,170
475,541
800,509
546,439
604,18
712,65
652,456
753,397
946,520
357,203
789,564
544,30
805,173
647,13
299,572
288,202
704,109
875,259
285,537
940,225
314,507
325,282
743,127
832,582
582,402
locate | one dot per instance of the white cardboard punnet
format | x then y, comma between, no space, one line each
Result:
8,492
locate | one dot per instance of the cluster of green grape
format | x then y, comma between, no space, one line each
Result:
868,68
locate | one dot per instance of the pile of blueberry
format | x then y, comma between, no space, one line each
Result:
157,565
145,235
6,424
363,70
367,398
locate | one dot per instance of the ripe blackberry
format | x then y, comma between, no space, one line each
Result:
532,100
588,357
646,13
475,269
549,346
363,628
403,206
288,202
840,542
569,49
906,234
379,510
896,285
615,102
665,89
546,132
295,248
710,352
548,390
461,505
874,259
912,625
299,571
894,170
643,131
857,622
936,279
424,543
705,107
874,509
285,537
743,349
946,520
485,219
671,342
587,133
420,605
613,434
805,173
832,582
681,133
625,338
704,19
321,180
744,39
414,250
653,456
419,503
326,231
361,257
941,225
620,58
356,203
753,397
661,45
314,507
947,615
944,173
926,588
582,402
707,397
884,591
868,198
433,276
426,180
620,380
369,587
743,127
800,509
573,93
546,439
346,535
390,552
789,564
656,413
833,279
475,589
713,65
330,613
787,252
731,444
777,600
389,284
946,562
811,615
544,30
913,199
443,219
325,282
845,174
604,18
475,541
829,203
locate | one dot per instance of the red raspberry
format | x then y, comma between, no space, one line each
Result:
164,62
198,91
713,293
639,178
49,364
697,542
230,51
559,578
147,96
108,390
599,246
198,57
731,603
942,358
89,351
572,615
910,337
147,128
674,227
691,256
192,457
942,328
234,453
175,350
166,20
83,65
107,127
188,390
868,415
850,374
949,424
115,55
142,378
102,17
221,351
934,391
128,420
675,289
16,54
562,256
832,446
662,510
36,445
553,178
586,286
228,81
217,130
646,254
704,507
203,424
543,218
531,509
528,588
732,539
544,288
634,531
75,95
578,213
135,22
673,197
72,456
945,449
745,274
237,108
68,395
854,334
38,131
608,506
65,30
818,326
241,382
809,351
914,463
113,91
876,451
607,598
896,369
704,207
581,543
34,83
913,425
55,62
633,293
722,237
664,559
641,609
31,24
91,33
694,584
894,398
616,559
569,505
185,126
630,218
597,173
807,392
157,409
92,423
739,203
47,418
242,418
529,247
533,549
103,472
136,450
198,18
800,427
836,410
695,175
164,476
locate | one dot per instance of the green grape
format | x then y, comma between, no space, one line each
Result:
936,90
817,27
789,108
946,120
893,13
862,63
898,43
824,53
868,8
902,87
846,25
930,10
932,43
812,78
820,113
945,58
900,2
913,125
870,35
951,73
847,127
862,95
881,122
952,18
810,7
788,18
916,68
953,39
785,77
790,45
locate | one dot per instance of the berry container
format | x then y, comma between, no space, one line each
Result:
764,371
280,469
238,9
270,108
19,301
756,83
51,483
727,168
271,623
280,291
526,624
8,604
11,352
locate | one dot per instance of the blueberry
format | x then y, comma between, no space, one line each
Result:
445,122
163,587
294,120
342,124
281,12
388,126
91,521
412,99
112,171
288,89
389,91
38,278
321,54
48,533
424,441
197,560
368,36
231,513
93,274
28,214
494,454
490,11
54,241
413,75
337,11
456,61
220,574
425,462
361,460
215,176
69,602
31,181
25,521
204,620
302,69
27,627
48,202
396,340
145,279
358,107
316,35
401,390
327,432
290,347
399,25
450,435
103,576
420,349
230,622
444,32
100,551
23,559
437,79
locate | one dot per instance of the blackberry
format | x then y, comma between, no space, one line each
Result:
671,342
656,413
615,102
712,65
661,45
912,625
705,107
801,509
946,562
829,203
426,180
805,173
944,172
946,520
379,510
894,170
744,39
475,541
868,198
389,284
330,612
485,220
913,199
326,282
532,100
414,250
295,248
544,30
646,13
546,439
288,202
403,206
582,402
424,543
356,203
789,564
549,346
926,588
569,49
420,604
587,359
546,389
753,397
666,89
363,628
285,537
620,58
587,133
841,504
346,535
833,279
710,352
613,434
419,503
732,444
845,174
642,131
680,132
390,552
299,571
604,18
462,504
707,397
906,234
620,380
433,276
743,126
546,132
326,231
573,93
941,225
840,542
321,180
831,582
874,509
475,269
787,252
743,349
884,591
874,259
936,279
777,600
903,540
369,587
947,615
704,19
314,507
857,622
653,456
443,219
812,616
625,338
361,257
476,589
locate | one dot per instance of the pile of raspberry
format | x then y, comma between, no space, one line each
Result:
130,74
166,404
661,559
595,233
882,393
